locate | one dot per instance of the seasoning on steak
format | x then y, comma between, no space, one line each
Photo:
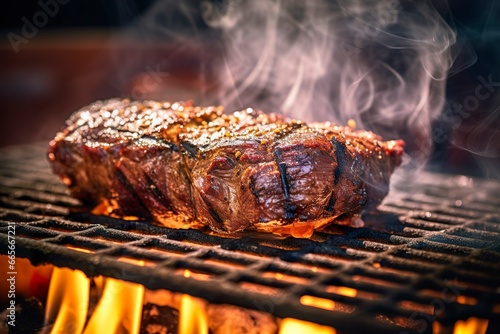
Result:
186,166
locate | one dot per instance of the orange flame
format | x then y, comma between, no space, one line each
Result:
119,310
67,301
192,314
472,325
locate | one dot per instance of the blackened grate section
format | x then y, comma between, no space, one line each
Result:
432,253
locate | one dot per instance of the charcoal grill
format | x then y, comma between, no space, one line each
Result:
432,253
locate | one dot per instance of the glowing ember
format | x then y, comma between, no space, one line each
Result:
343,291
466,300
67,301
290,325
318,302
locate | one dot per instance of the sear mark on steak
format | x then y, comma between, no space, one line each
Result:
189,167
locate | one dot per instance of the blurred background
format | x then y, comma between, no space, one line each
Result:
58,55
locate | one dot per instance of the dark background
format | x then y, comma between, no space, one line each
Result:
82,54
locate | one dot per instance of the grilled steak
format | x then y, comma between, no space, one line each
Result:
187,166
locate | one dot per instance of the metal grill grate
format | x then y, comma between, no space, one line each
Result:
432,253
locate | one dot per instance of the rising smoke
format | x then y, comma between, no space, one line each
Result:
382,63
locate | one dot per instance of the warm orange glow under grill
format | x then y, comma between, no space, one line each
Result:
119,309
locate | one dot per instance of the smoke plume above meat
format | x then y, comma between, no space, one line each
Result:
383,64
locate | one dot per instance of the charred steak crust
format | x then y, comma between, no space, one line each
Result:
187,166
